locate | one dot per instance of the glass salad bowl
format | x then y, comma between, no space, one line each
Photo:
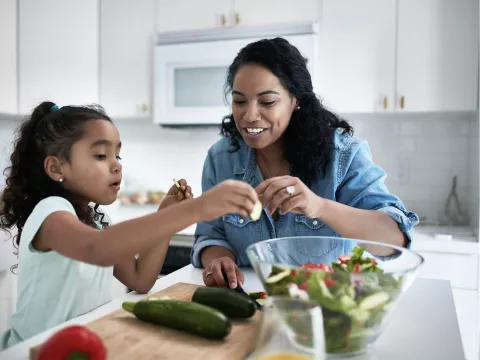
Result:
355,289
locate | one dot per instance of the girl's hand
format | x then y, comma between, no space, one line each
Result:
230,196
174,195
289,194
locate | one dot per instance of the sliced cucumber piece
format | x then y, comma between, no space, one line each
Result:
257,211
276,278
261,301
373,301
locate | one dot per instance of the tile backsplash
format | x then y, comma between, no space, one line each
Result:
421,154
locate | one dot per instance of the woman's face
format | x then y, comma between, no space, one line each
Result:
261,106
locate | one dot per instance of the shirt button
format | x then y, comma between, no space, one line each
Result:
241,221
315,222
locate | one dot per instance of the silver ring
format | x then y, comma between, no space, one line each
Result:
208,274
290,190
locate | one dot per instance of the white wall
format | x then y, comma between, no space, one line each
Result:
420,153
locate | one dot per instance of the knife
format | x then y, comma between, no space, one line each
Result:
240,290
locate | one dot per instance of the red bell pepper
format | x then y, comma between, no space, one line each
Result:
330,282
344,259
73,342
356,268
303,286
323,267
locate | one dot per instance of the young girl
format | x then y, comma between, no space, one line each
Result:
63,160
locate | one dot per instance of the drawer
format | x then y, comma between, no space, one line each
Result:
460,269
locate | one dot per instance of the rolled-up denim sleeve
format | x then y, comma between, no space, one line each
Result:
209,233
363,186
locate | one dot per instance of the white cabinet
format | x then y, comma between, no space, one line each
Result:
8,57
437,55
357,55
58,47
182,15
127,29
467,313
254,12
399,55
195,15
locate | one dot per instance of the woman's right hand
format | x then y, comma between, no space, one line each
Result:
213,275
229,196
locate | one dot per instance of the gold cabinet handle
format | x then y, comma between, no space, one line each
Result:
237,18
385,102
402,102
223,20
144,108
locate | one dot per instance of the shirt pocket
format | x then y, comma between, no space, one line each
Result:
305,226
239,229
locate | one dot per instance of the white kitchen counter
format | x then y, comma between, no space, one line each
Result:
424,326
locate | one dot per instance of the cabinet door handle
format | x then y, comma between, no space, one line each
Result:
237,18
223,20
402,102
385,102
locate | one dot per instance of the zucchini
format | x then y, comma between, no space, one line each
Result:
228,301
187,316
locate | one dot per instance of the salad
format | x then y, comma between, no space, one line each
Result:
354,294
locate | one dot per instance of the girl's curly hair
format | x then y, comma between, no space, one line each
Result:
49,131
308,139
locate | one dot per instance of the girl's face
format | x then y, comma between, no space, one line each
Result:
94,172
261,106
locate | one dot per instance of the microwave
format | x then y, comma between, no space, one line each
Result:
190,69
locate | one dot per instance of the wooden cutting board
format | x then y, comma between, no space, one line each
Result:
128,338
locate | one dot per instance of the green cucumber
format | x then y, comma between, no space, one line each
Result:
373,301
228,301
276,278
187,316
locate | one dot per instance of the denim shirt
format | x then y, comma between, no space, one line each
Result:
351,179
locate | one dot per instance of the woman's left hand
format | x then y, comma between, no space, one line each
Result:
289,194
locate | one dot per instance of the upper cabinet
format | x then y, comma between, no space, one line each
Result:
127,32
437,55
357,55
255,12
399,55
58,47
8,57
182,15
196,15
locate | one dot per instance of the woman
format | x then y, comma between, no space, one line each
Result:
312,176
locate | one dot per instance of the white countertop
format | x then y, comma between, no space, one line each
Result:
424,325
447,239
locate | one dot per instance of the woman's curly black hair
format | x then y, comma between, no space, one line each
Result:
48,131
308,139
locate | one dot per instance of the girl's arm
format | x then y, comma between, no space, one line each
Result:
64,233
141,273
